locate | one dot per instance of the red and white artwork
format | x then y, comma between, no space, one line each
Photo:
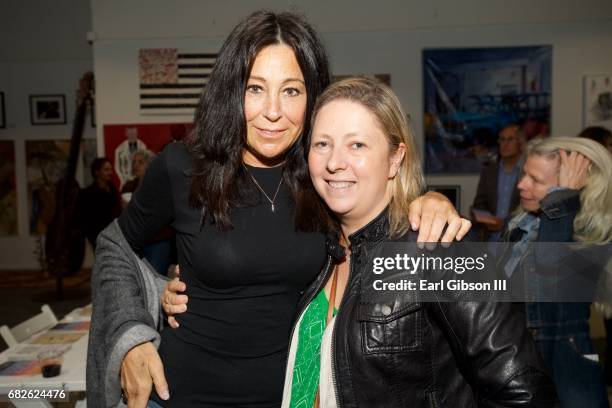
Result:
122,141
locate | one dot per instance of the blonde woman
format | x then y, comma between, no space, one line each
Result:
565,196
392,350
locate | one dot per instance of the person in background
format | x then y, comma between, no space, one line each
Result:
566,196
140,163
158,250
497,194
99,203
599,134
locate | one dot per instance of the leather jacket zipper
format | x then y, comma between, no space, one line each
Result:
334,366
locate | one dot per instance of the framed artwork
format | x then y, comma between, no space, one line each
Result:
2,112
8,189
598,100
470,94
48,109
452,192
46,162
171,80
122,141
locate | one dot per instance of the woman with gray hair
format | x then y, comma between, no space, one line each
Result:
140,162
566,196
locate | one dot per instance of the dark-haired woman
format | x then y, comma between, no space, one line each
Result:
248,227
99,202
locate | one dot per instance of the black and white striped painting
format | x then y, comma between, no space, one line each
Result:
172,80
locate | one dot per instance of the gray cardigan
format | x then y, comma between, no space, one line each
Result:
126,312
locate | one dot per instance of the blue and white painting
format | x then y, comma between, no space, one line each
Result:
470,94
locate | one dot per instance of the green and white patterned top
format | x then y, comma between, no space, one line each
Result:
307,365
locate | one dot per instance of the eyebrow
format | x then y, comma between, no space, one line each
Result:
284,82
346,135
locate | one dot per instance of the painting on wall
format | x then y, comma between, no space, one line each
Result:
8,190
122,141
45,164
598,100
172,80
48,109
470,94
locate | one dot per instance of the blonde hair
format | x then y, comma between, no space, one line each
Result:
147,155
382,102
593,223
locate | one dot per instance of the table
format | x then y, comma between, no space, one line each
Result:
72,377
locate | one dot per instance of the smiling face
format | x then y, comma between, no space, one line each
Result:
274,106
541,173
350,162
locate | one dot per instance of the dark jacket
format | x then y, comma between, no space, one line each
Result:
486,193
395,351
97,208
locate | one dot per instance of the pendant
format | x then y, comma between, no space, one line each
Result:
272,207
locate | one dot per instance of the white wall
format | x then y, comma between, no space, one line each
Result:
43,50
357,44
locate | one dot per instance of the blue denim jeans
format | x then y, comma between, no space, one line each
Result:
579,380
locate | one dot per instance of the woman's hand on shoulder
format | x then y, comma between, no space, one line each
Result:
430,213
141,369
172,300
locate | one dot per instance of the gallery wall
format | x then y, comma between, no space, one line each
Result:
43,49
579,48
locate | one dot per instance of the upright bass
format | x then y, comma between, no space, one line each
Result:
65,240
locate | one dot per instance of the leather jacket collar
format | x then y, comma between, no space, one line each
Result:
371,233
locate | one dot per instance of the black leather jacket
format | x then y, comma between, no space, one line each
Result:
399,352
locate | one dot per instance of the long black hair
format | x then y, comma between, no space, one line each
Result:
218,180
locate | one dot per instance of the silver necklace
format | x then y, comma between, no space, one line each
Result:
262,190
